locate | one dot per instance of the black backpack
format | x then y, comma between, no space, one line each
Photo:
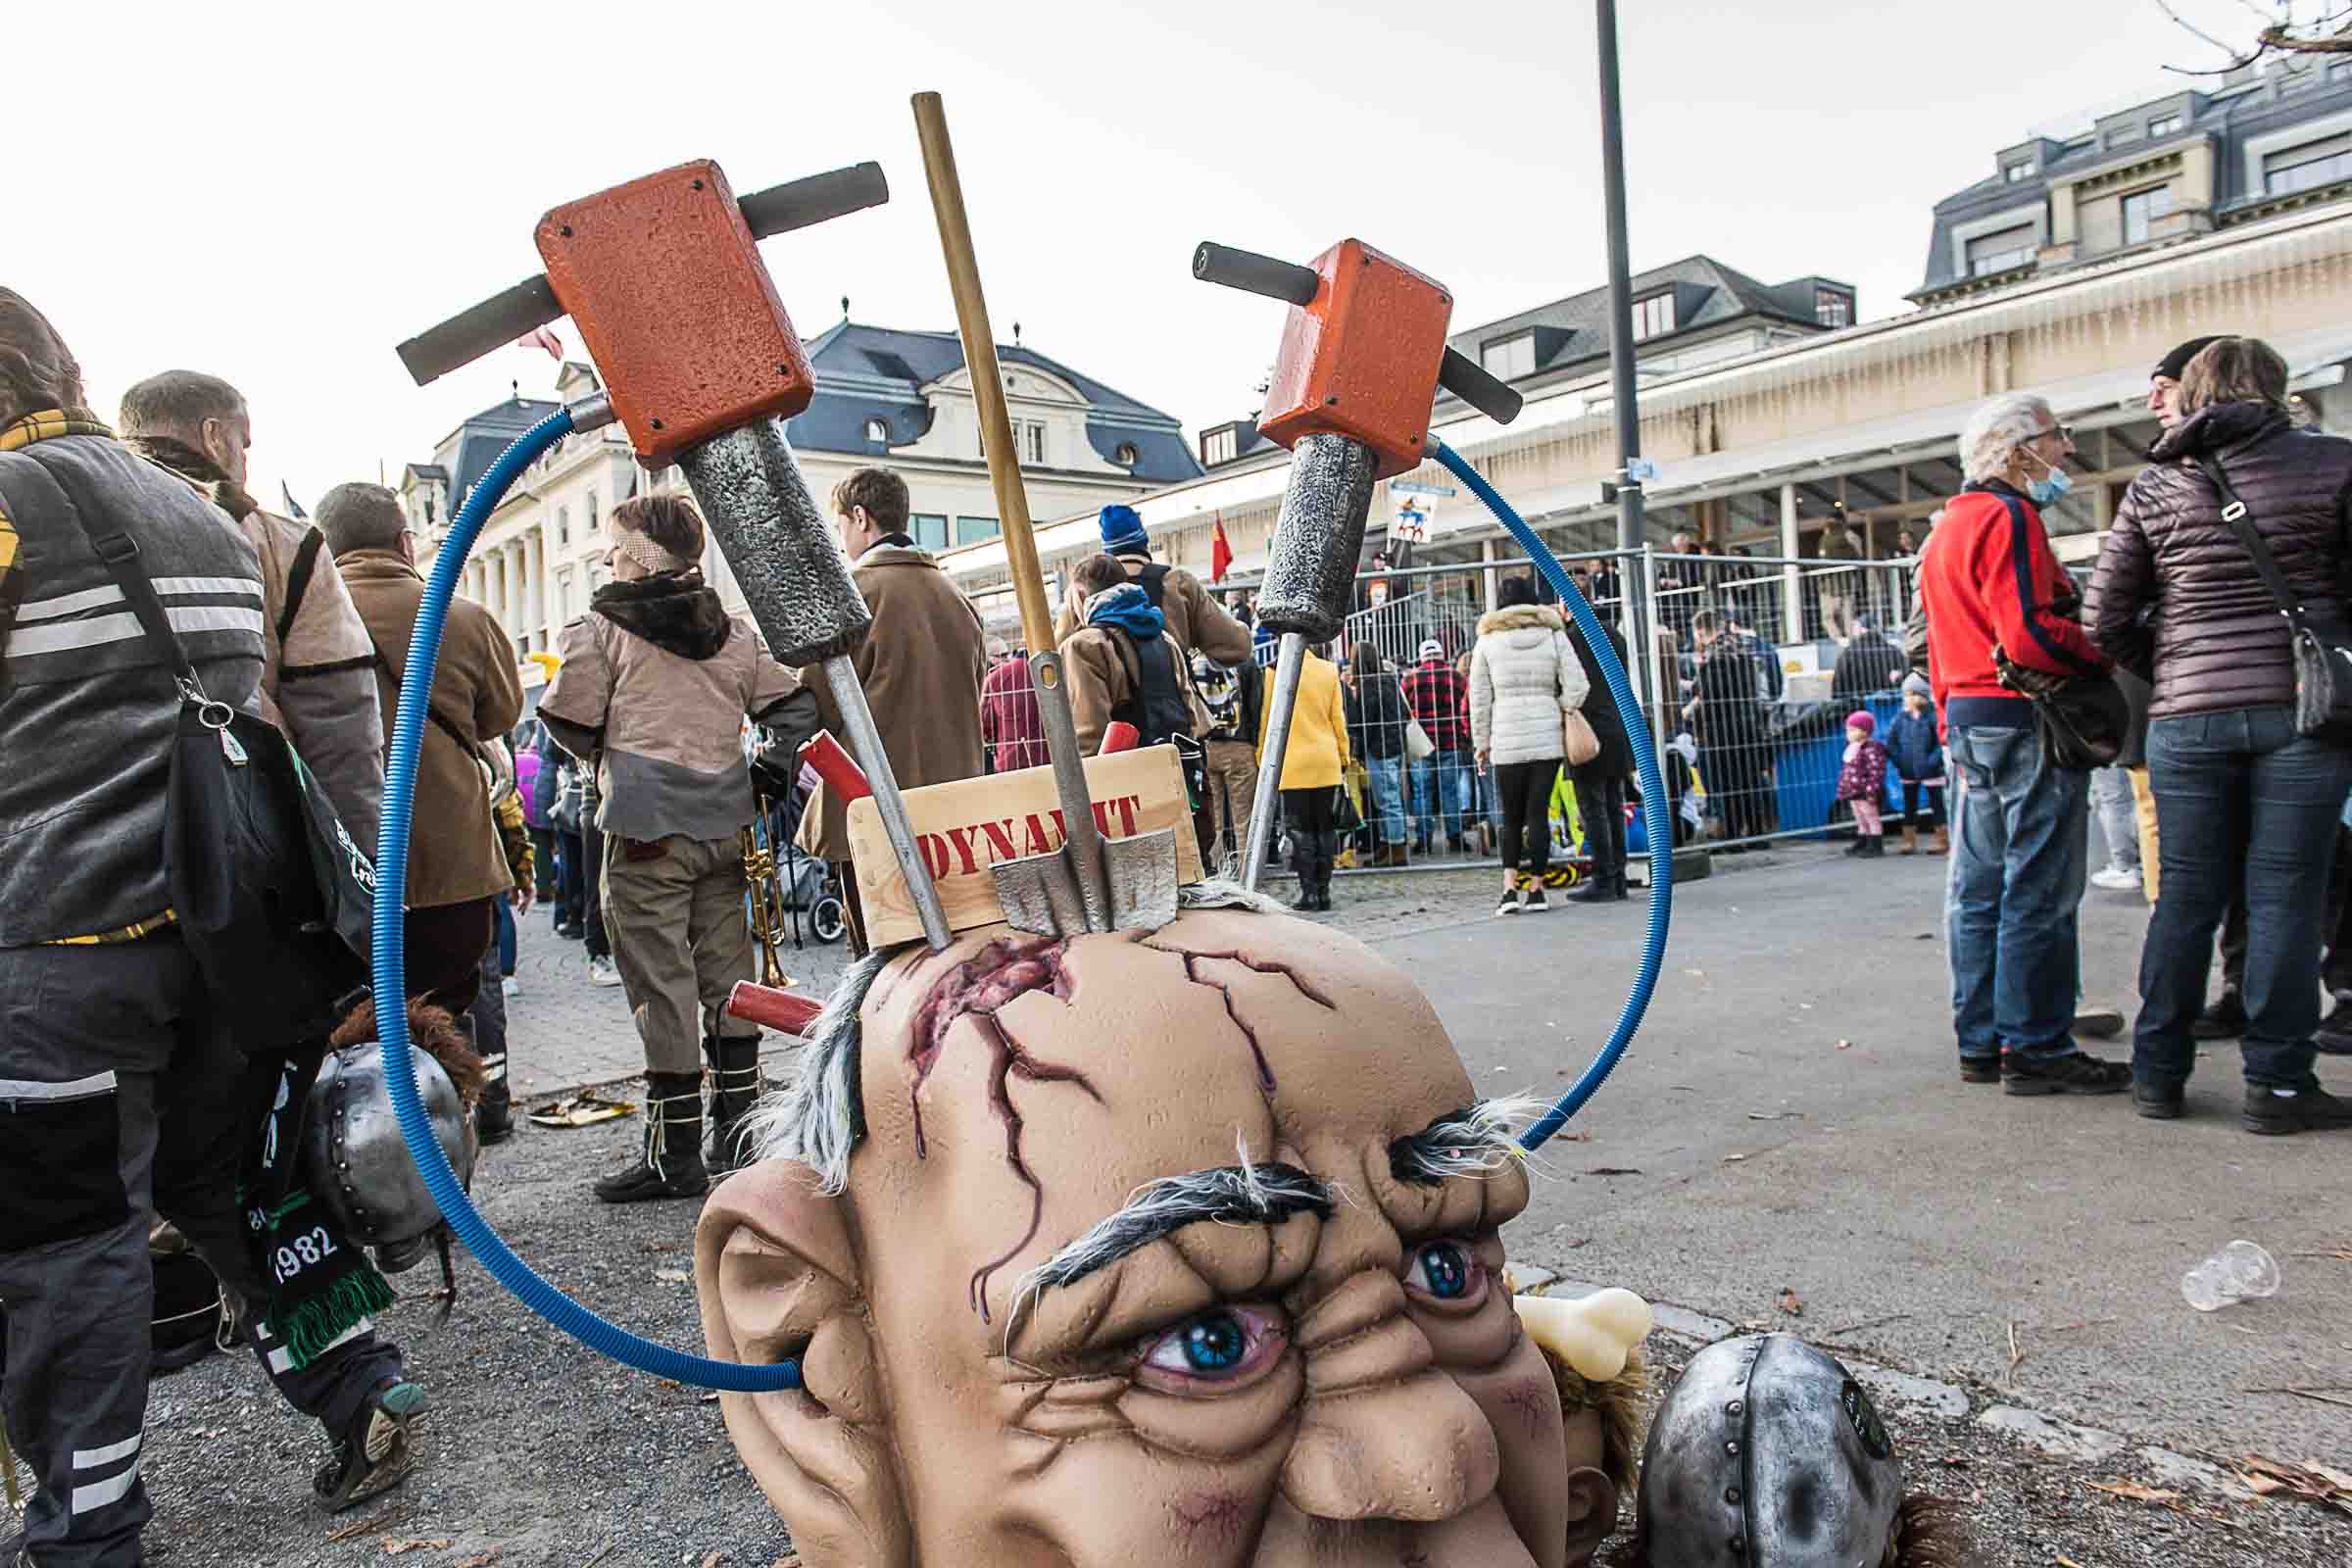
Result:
1155,702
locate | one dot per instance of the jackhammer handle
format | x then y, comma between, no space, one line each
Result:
802,203
532,304
1253,274
475,331
1469,380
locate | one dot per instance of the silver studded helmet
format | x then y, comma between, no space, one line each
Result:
353,1154
1768,1454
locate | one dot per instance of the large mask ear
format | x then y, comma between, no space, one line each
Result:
778,1278
1591,1514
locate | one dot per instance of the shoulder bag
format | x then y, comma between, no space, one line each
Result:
2322,659
269,890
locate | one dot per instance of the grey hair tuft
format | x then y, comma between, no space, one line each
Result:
1477,1141
1224,893
818,1118
1998,427
1247,1193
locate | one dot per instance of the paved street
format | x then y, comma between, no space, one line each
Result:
1788,1121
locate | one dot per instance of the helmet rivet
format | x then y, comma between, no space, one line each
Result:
1730,1447
1730,1494
1733,1409
1740,1545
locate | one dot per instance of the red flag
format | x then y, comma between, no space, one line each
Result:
1220,552
542,337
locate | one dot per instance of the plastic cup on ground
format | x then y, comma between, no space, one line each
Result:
2241,1271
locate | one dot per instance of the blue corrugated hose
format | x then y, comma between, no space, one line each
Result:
1656,814
391,966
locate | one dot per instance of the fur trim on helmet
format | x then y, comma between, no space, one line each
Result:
431,1030
1619,1401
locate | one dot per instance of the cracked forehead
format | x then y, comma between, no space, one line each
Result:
1019,1090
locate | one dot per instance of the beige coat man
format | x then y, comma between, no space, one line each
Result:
922,666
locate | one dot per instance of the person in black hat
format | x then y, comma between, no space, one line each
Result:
2164,381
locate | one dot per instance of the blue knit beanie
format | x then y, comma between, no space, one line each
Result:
1123,527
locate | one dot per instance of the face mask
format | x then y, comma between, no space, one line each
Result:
2047,490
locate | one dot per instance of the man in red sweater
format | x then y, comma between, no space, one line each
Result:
1991,585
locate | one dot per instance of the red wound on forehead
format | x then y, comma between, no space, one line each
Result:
1000,973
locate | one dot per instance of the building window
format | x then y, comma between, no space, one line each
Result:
1127,455
2141,209
2164,126
1832,307
1033,442
1511,358
1217,447
2308,167
2018,173
929,529
1653,316
2122,134
562,525
2001,253
877,430
593,523
564,594
972,531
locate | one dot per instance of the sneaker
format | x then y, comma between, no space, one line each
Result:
601,972
2334,1035
2158,1102
1536,903
1509,904
2306,1110
1980,1070
2098,1024
374,1454
571,932
2226,1019
511,986
2115,879
2074,1073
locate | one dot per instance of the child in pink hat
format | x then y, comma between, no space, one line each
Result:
1862,784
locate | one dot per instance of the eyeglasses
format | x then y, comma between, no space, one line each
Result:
2064,432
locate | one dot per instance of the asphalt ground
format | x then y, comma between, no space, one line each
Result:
1918,1223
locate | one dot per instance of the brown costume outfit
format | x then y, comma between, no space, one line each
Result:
1196,623
922,666
455,864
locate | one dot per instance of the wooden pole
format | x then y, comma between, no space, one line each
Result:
980,363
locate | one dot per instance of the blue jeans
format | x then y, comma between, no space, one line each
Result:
505,936
2241,802
2018,837
1438,794
1387,815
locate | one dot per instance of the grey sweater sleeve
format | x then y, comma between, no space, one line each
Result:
333,717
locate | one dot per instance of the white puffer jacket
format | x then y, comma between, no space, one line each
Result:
1524,674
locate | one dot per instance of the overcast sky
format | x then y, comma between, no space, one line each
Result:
279,194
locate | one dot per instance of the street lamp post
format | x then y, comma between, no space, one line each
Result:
1630,531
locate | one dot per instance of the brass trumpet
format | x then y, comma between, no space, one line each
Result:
766,894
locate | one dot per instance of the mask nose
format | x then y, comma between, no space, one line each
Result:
1384,1433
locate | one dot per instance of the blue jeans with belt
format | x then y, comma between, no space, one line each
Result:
2242,801
2018,837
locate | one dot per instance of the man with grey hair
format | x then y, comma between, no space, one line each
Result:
455,866
1993,592
318,684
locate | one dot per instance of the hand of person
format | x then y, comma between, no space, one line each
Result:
1482,759
523,897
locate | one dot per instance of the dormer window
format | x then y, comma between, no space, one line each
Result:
1126,455
2018,173
1508,359
1832,307
2164,124
1217,447
877,430
2129,132
1653,316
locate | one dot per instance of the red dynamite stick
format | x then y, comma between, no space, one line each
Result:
1119,735
791,1012
836,766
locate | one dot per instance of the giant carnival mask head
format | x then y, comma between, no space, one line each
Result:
1141,1247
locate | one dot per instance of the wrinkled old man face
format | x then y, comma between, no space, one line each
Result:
1175,1247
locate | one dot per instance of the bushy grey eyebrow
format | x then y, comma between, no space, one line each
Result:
1474,1142
1229,1195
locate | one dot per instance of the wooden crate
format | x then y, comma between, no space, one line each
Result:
967,827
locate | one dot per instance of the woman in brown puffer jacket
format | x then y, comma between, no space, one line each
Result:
2241,798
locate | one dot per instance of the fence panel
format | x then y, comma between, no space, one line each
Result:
1749,720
